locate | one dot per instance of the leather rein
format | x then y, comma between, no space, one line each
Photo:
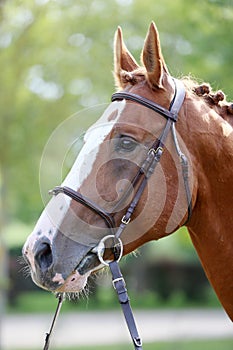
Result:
146,170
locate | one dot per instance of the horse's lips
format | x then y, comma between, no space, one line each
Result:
77,280
91,263
74,283
88,264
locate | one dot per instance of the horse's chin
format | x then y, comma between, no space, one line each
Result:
74,283
77,280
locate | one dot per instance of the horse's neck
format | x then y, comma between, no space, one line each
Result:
211,225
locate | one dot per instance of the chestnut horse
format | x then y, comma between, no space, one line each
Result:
61,251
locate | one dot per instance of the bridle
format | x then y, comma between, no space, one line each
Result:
139,183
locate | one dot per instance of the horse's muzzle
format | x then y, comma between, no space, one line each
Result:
57,267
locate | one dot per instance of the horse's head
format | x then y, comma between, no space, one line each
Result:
118,168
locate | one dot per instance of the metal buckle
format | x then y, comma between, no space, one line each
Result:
156,151
124,221
137,341
102,246
55,191
117,280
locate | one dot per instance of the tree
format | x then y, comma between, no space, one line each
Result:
57,58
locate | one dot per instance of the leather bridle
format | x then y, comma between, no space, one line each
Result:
139,182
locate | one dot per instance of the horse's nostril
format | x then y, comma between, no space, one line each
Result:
43,256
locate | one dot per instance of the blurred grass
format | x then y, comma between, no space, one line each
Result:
105,299
218,344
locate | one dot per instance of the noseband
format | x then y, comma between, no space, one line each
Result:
140,181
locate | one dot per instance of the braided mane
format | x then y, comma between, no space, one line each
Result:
216,100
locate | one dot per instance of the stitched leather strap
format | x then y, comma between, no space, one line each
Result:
120,287
78,197
145,102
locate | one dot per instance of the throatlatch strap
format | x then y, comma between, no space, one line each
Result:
120,287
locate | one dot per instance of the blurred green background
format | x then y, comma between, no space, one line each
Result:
56,59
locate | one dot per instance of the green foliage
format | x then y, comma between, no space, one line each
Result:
56,58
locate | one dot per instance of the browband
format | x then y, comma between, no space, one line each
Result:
171,113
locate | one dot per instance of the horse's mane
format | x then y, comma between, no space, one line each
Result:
215,100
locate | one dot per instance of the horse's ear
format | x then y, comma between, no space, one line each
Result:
123,60
152,58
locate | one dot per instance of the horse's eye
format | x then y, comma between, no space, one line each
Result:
126,144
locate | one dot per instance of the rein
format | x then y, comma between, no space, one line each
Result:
146,170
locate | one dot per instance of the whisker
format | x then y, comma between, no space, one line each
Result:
24,267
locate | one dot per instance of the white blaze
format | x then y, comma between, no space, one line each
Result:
57,208
94,137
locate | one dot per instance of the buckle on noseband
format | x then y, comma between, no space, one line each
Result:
156,152
117,248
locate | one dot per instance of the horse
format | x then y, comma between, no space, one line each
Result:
183,127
